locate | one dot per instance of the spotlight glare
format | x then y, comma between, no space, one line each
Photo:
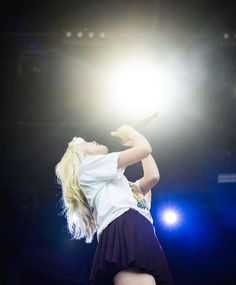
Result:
141,88
170,217
68,34
90,34
80,34
226,36
102,35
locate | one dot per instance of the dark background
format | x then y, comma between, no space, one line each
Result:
41,111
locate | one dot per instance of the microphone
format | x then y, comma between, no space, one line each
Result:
139,124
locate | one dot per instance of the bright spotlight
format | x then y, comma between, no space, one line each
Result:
68,34
170,217
80,34
226,36
90,34
141,88
102,35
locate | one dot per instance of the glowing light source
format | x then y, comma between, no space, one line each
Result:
80,34
102,35
68,34
170,217
226,36
141,88
90,34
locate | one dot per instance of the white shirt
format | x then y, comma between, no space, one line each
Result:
108,191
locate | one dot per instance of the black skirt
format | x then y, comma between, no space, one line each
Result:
129,241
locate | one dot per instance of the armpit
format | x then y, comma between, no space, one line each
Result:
144,201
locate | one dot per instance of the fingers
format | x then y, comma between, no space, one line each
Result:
123,129
115,133
129,136
121,135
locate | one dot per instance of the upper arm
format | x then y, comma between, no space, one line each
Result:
132,155
146,184
147,196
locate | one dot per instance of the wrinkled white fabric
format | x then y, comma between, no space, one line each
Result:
108,191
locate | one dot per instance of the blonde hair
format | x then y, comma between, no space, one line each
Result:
75,205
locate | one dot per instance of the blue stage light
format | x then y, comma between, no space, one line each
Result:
170,217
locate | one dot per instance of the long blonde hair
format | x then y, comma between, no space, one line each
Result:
75,206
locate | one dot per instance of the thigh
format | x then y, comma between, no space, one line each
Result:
133,276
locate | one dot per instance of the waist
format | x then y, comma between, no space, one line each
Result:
116,214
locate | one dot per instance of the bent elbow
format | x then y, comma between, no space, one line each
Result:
155,179
144,151
147,150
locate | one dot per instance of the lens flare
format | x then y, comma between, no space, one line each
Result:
141,88
170,217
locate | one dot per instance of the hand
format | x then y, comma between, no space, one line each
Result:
128,135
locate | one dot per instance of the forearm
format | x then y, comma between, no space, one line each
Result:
151,174
136,153
150,169
139,147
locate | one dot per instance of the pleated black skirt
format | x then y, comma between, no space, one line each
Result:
129,241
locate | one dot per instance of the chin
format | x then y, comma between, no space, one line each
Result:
104,149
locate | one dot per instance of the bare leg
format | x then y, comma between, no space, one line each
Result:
134,277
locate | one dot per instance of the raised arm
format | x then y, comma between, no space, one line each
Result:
151,174
139,146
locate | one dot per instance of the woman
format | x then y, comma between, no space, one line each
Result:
98,198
